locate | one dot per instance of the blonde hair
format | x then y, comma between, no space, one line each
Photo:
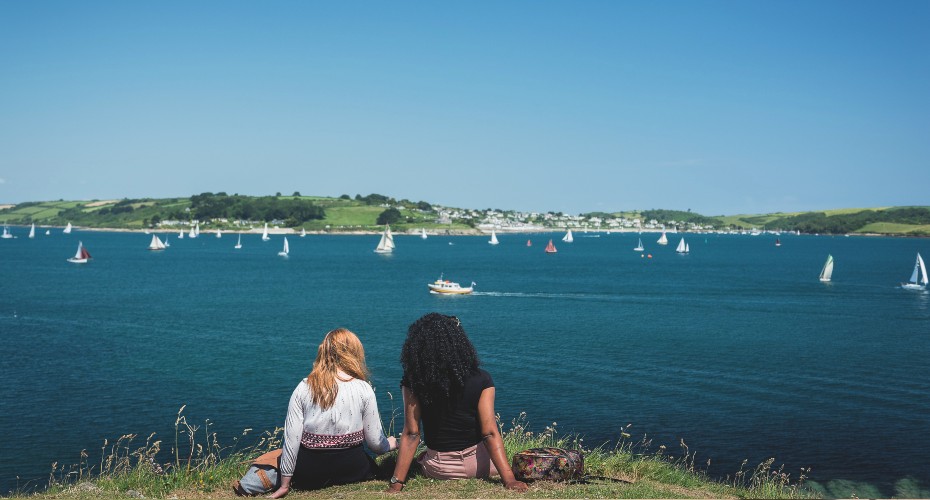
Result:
340,350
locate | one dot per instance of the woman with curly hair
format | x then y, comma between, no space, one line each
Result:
446,391
331,413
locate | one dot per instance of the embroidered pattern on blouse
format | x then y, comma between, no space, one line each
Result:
316,441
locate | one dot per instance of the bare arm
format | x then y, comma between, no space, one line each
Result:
493,441
409,440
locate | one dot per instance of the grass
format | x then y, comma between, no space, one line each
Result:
894,228
196,465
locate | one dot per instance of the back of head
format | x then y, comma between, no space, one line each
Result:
437,358
340,350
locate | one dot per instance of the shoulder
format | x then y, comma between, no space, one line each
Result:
483,379
362,387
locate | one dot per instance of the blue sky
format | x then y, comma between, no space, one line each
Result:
717,106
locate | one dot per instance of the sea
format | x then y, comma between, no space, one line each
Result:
736,350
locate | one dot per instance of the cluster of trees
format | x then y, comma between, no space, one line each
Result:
380,199
680,216
819,222
293,211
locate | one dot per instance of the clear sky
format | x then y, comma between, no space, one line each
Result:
722,107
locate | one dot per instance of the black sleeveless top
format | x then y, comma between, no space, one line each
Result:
454,425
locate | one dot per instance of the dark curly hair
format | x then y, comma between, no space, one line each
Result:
437,358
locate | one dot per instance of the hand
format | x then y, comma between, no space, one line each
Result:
515,485
280,492
394,488
392,441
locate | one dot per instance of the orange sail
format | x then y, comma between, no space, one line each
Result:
550,248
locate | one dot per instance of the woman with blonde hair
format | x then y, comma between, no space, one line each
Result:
330,414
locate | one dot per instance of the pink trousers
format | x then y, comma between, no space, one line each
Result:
465,464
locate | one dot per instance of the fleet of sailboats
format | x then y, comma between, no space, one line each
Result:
568,237
827,273
286,250
493,240
81,256
386,245
918,279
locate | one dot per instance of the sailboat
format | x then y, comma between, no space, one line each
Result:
219,234
48,232
32,231
550,248
166,242
423,233
639,247
529,243
827,273
493,240
663,240
283,253
156,243
192,234
181,235
265,233
239,243
568,237
386,245
81,256
777,242
303,233
682,247
197,229
6,233
919,269
67,229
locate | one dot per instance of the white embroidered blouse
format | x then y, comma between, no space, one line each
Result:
353,418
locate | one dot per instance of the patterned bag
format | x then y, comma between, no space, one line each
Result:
548,464
263,476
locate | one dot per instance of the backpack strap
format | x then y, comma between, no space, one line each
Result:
264,478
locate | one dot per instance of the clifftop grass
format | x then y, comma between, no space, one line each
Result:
197,466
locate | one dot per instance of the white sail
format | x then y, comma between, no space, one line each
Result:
48,232
219,234
197,229
687,248
192,234
827,273
265,233
682,247
493,240
156,243
67,229
181,235
303,232
239,243
77,255
286,250
639,247
32,230
423,233
6,233
386,245
166,242
568,237
663,240
918,279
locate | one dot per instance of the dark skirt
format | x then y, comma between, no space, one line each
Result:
317,468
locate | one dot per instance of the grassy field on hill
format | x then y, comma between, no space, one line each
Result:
194,468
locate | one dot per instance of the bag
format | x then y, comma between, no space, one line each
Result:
548,464
264,475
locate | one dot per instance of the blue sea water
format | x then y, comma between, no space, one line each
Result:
736,348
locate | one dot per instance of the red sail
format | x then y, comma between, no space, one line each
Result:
550,248
84,253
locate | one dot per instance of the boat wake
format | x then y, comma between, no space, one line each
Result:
544,295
